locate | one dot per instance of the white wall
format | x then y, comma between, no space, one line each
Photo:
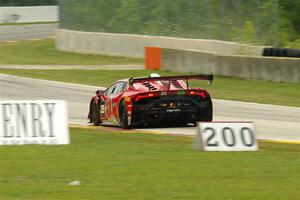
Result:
200,62
132,45
28,14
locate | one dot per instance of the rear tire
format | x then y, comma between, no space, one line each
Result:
207,114
95,114
123,117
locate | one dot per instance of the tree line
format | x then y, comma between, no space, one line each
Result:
262,22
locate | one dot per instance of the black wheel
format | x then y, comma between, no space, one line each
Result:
123,115
95,114
207,114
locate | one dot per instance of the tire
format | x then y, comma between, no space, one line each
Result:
271,52
266,52
123,116
207,115
283,53
298,54
277,52
293,53
95,114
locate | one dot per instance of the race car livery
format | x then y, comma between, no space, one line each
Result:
151,101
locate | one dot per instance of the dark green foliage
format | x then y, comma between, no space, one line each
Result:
291,10
289,23
268,22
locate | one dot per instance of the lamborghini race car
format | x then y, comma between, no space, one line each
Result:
151,101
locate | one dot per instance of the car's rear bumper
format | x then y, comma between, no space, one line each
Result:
191,113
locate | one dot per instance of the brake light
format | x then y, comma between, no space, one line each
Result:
200,93
143,96
203,95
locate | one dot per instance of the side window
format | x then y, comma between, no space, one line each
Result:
119,88
115,89
110,90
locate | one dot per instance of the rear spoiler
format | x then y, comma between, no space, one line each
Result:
206,77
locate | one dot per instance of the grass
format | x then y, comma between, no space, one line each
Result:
112,165
43,52
222,88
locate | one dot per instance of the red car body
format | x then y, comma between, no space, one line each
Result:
152,100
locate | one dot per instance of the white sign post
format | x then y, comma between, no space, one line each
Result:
226,136
33,122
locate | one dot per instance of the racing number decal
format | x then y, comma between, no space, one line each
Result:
108,105
102,109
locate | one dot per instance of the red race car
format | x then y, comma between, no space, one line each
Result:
151,101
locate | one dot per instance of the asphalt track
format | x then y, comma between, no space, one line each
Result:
22,32
272,122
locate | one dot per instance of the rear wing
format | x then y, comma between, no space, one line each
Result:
207,77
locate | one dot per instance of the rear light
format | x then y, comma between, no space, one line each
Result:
142,96
203,94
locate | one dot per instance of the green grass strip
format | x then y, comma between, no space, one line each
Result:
44,52
144,166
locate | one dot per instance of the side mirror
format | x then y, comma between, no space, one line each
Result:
99,92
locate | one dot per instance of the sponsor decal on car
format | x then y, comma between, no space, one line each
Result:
174,110
127,99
